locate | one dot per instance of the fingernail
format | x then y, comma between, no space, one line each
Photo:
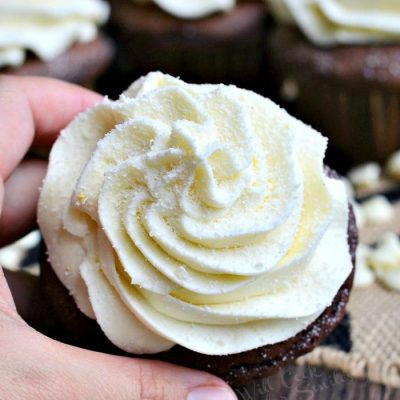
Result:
211,393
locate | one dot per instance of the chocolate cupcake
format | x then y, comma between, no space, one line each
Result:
196,224
67,324
340,71
53,38
203,42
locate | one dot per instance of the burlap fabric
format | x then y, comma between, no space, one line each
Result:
375,336
374,327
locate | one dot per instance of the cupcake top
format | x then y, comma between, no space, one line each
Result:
330,22
194,214
191,9
46,27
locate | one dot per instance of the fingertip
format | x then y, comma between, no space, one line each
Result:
211,393
56,106
33,110
180,383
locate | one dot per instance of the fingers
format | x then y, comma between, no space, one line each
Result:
54,370
32,111
147,379
104,376
20,200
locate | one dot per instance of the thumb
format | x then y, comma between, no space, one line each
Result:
47,369
113,377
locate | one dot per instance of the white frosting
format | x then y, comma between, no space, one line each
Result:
365,176
385,260
377,210
329,22
349,188
46,27
363,277
201,212
191,9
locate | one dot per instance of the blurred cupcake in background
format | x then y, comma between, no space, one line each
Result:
337,63
214,41
56,38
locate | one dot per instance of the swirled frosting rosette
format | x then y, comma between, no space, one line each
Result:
48,28
197,215
329,22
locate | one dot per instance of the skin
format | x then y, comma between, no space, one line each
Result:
33,366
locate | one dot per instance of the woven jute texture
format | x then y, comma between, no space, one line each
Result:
374,327
375,334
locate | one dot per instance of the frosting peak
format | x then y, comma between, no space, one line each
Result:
46,27
201,211
329,22
192,9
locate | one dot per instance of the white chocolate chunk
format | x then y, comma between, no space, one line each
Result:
364,277
365,176
385,261
392,167
377,210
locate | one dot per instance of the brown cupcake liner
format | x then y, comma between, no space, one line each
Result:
223,48
235,64
348,93
363,124
82,64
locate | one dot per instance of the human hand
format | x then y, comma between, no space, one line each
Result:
32,112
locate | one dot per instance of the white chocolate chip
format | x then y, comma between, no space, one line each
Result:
364,276
365,175
392,167
377,210
385,261
386,256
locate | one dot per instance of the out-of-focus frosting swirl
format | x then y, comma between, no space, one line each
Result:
46,27
329,22
191,9
194,214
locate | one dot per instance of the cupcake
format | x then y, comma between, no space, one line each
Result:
197,224
337,64
210,41
54,38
